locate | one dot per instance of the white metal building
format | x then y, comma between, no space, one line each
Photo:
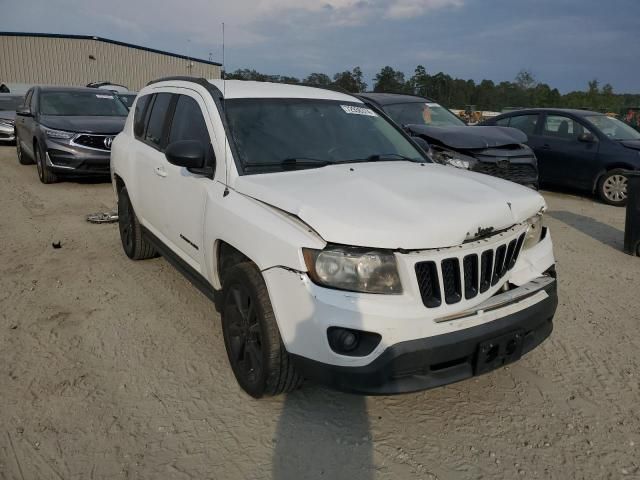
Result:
51,59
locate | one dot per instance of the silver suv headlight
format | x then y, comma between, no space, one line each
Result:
534,232
51,133
453,158
5,122
354,269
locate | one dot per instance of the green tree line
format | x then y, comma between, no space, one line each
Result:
523,91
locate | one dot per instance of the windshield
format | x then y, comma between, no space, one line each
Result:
613,128
10,102
100,104
274,132
430,114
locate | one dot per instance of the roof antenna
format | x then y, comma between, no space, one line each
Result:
224,112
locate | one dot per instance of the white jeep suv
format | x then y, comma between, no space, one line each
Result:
334,248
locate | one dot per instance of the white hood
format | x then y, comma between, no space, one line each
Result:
394,204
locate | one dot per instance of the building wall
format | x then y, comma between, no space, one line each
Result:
66,61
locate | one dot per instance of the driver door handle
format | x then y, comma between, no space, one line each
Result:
546,147
160,171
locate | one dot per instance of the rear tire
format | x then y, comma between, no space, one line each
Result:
23,159
612,188
261,364
134,244
44,171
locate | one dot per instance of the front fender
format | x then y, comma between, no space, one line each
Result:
266,235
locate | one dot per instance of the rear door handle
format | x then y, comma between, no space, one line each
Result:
160,171
546,147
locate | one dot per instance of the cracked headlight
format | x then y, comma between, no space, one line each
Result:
51,133
453,158
354,269
534,232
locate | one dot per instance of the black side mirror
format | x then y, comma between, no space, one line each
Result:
192,155
186,153
586,137
24,112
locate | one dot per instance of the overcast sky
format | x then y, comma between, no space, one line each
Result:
564,42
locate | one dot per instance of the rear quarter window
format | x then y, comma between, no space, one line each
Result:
158,119
139,115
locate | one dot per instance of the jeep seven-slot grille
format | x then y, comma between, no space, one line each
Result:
475,274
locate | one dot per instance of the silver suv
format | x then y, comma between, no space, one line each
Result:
68,131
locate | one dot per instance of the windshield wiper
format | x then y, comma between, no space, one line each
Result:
380,157
290,163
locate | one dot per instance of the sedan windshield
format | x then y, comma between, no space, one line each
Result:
613,128
278,134
10,102
430,114
100,104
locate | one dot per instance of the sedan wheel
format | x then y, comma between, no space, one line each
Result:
613,188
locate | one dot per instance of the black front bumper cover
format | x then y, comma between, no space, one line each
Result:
434,361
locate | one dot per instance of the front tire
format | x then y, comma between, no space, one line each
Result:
256,353
45,174
23,159
134,244
612,188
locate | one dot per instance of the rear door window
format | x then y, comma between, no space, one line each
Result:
526,123
139,115
503,122
157,120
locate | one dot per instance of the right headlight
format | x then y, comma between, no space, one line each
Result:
534,232
51,133
453,158
354,269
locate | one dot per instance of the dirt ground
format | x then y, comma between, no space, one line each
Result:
116,369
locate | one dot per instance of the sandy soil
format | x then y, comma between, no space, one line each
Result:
116,369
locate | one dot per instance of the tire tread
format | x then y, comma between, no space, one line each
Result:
281,374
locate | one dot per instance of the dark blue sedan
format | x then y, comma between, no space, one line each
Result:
579,149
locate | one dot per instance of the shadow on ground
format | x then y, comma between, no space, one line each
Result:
323,434
596,229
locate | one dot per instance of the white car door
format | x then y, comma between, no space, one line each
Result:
184,192
149,168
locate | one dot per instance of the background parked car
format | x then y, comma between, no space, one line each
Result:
8,105
579,148
68,131
114,87
492,150
127,98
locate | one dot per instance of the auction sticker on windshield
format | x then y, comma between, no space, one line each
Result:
358,110
110,97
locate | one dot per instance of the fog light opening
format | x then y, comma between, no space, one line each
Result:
353,343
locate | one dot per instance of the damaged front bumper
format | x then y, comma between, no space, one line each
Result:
418,347
430,362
